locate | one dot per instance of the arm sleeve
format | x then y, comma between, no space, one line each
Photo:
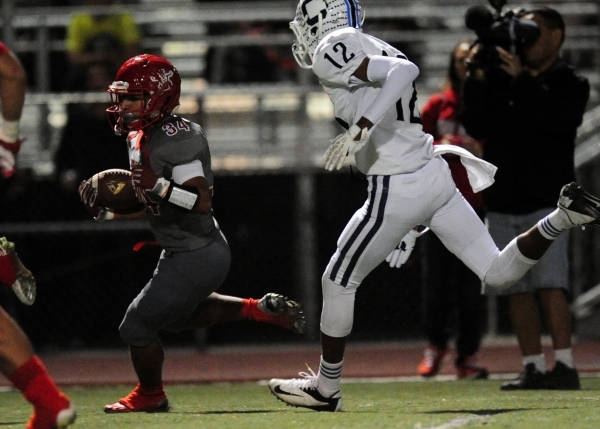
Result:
396,74
185,172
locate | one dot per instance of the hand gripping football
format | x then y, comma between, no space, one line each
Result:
116,191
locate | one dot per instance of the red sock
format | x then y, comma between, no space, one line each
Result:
8,273
35,383
153,391
251,311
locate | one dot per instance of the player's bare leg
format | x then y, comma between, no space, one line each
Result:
333,348
28,374
272,308
15,348
532,244
526,321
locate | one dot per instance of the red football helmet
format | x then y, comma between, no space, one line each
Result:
152,78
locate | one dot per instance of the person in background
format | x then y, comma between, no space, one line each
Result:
87,145
528,108
25,370
448,284
100,36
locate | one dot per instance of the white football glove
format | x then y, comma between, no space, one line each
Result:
343,145
400,254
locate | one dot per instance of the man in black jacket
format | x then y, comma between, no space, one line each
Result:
528,109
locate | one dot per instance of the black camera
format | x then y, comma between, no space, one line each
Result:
508,30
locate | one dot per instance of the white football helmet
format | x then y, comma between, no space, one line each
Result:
317,18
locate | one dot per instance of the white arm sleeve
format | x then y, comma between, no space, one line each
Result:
185,172
397,74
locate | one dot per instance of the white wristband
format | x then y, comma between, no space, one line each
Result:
182,198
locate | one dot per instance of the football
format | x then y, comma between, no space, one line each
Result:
115,191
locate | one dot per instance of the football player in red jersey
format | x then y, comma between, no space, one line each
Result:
12,93
52,408
171,171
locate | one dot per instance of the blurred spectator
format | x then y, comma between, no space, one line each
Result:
94,36
88,145
249,63
448,284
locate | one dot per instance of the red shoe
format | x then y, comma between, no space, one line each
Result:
44,418
470,368
277,310
137,401
432,361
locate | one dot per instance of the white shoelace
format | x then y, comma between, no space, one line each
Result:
308,381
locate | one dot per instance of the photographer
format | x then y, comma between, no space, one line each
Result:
527,106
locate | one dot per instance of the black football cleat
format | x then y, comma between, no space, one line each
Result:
562,378
581,207
529,379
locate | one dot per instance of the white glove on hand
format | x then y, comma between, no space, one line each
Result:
342,145
400,254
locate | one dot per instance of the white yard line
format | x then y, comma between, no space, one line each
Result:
460,422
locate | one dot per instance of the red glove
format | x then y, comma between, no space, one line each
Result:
143,177
8,157
89,196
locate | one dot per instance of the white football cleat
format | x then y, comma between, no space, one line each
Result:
304,393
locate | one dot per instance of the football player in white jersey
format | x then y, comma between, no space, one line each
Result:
371,85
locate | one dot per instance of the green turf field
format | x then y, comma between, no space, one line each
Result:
414,405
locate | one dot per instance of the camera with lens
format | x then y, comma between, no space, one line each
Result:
508,30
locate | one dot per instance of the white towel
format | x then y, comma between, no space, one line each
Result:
481,173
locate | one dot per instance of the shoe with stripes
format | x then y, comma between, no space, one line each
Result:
580,207
304,393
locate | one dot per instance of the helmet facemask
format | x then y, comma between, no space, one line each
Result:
130,120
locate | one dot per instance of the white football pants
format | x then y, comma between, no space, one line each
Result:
396,204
